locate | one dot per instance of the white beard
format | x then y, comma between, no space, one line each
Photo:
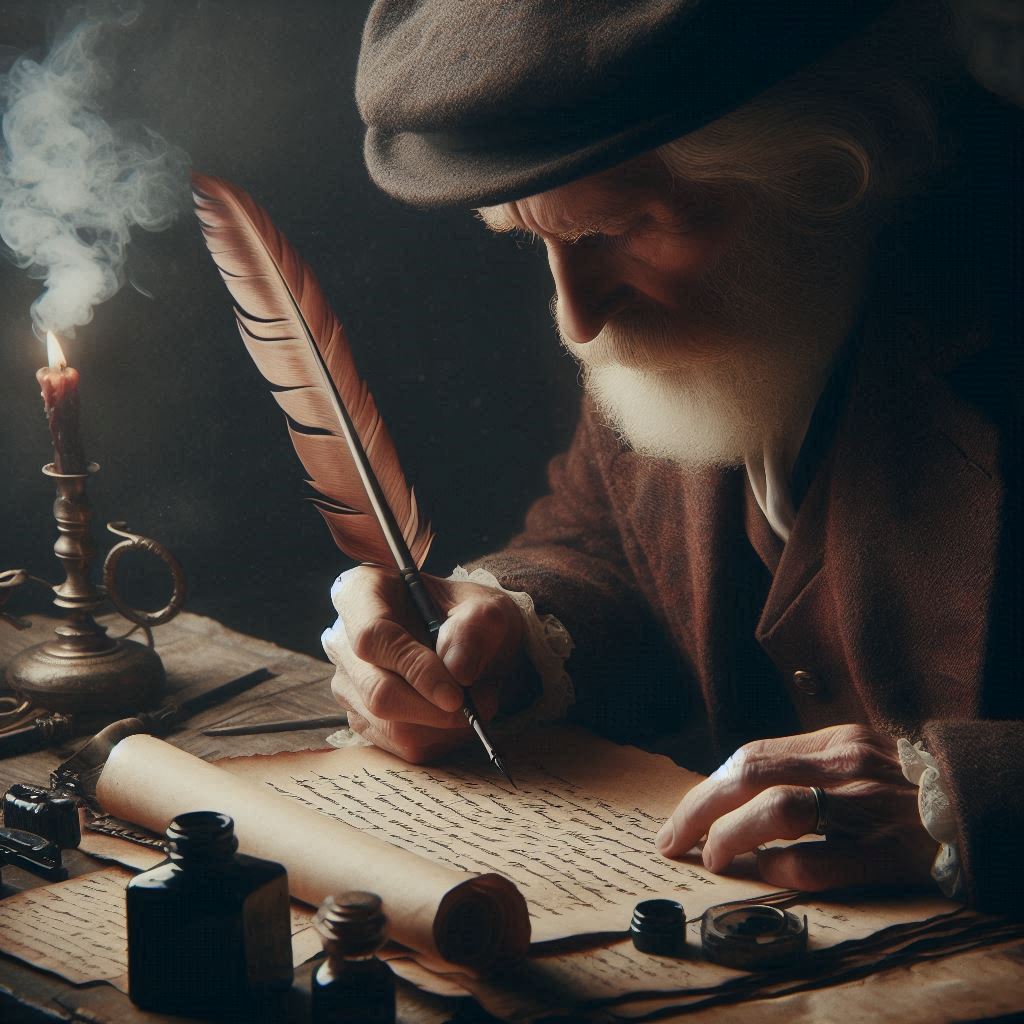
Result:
711,410
742,377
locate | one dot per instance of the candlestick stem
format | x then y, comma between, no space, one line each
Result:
76,550
82,670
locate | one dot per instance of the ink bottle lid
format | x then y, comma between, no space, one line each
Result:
659,926
201,835
351,925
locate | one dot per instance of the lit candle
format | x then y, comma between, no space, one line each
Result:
59,384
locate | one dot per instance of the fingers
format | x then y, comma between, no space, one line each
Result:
412,743
815,867
477,634
374,609
782,812
824,758
399,692
865,811
385,695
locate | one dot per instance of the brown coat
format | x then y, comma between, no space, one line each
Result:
896,596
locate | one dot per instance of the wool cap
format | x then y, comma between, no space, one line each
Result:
476,102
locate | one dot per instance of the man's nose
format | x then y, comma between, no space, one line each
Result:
590,290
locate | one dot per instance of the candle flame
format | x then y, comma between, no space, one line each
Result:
54,353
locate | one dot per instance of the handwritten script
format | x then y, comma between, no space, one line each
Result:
581,853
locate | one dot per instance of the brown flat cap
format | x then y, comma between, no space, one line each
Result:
476,102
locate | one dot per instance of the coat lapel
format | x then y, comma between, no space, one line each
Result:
885,585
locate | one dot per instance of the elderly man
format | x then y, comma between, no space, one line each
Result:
785,518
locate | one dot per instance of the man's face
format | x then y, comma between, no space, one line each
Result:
704,325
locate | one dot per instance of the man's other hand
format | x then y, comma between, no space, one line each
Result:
762,793
399,693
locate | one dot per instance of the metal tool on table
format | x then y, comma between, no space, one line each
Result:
52,728
32,853
50,815
47,730
174,713
279,725
79,773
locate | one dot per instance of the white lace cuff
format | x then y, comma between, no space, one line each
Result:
936,812
548,646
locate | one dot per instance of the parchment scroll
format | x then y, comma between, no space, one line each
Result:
477,920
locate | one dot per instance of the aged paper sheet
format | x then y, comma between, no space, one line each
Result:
74,928
576,836
77,928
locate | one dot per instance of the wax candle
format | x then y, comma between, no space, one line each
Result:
59,386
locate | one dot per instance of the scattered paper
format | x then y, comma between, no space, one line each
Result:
75,928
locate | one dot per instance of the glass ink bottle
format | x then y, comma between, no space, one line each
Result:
209,929
352,984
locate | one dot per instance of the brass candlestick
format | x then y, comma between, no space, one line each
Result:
82,670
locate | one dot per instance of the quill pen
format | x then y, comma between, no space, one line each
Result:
299,346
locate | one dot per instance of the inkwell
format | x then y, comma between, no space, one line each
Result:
352,985
209,928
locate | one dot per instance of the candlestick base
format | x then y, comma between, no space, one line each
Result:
80,670
64,675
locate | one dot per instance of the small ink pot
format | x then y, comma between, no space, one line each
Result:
209,929
352,986
659,926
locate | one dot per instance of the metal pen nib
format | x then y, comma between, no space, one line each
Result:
469,710
500,765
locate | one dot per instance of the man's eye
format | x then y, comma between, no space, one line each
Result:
614,242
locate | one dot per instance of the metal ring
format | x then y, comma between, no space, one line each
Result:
821,823
134,541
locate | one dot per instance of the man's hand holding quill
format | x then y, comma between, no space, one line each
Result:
300,347
399,693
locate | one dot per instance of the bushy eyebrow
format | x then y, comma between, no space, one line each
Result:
498,220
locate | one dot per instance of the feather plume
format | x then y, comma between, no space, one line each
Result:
299,345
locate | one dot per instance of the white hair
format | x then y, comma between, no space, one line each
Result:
841,139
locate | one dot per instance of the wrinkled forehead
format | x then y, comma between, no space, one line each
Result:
605,202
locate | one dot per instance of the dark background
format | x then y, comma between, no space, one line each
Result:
449,325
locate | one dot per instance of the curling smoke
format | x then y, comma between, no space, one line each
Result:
73,185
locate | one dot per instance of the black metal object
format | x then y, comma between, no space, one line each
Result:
45,731
280,725
45,813
31,852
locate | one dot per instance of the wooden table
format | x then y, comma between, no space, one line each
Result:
200,653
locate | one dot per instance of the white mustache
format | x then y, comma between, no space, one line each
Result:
644,344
